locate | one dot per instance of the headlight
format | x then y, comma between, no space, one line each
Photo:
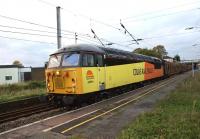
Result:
57,72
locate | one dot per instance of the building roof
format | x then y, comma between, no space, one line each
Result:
167,57
37,67
10,66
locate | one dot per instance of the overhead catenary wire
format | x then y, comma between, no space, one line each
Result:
25,33
95,20
85,36
106,24
47,3
40,25
111,43
88,36
88,42
158,11
35,30
161,15
32,23
28,29
92,19
20,39
89,18
32,34
20,28
163,36
80,15
109,25
92,39
168,35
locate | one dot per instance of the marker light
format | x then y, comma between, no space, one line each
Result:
57,72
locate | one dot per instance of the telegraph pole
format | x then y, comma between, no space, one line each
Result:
192,69
76,38
58,27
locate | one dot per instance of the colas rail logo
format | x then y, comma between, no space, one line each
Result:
89,75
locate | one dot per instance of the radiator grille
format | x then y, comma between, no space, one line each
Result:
59,83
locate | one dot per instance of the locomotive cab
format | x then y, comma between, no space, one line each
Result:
61,72
75,72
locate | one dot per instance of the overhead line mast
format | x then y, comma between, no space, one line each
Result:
58,27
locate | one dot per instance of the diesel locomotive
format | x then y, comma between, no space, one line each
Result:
83,70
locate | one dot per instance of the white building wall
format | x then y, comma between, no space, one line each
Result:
21,73
25,69
169,60
13,72
198,65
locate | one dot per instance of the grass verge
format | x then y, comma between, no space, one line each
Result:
11,92
177,116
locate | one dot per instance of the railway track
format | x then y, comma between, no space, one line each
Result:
25,112
28,111
36,109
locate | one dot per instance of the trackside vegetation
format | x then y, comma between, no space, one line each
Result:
177,116
10,92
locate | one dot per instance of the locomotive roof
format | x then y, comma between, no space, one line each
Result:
110,52
81,47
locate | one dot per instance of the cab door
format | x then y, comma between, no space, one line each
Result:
90,74
100,71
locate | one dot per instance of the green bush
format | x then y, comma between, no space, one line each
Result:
22,86
35,84
177,116
17,91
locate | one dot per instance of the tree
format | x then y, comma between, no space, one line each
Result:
137,50
18,63
177,57
145,51
160,50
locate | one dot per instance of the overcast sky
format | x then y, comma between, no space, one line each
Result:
154,21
